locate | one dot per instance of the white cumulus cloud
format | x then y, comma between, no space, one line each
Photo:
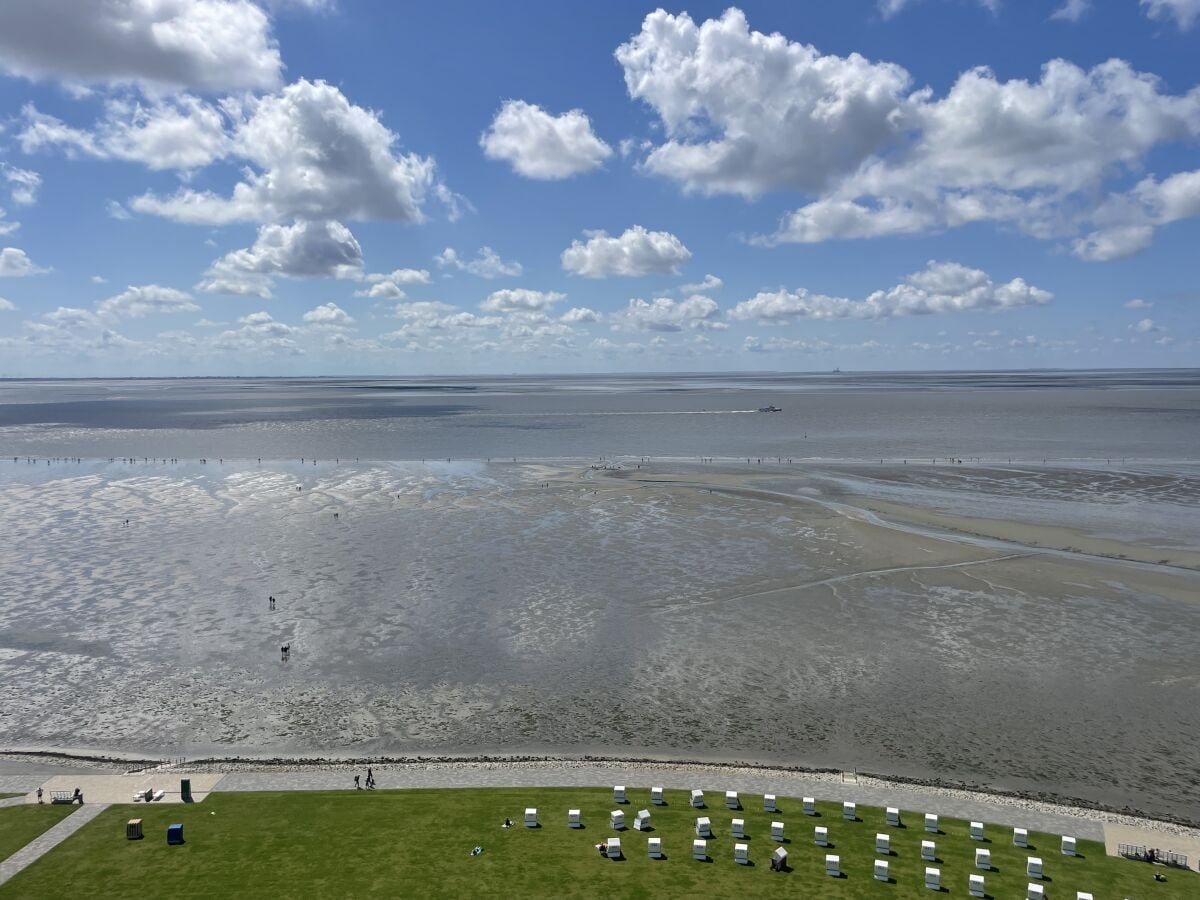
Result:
328,315
745,112
1183,12
136,302
209,45
521,300
539,145
14,263
666,314
6,305
23,184
182,132
636,252
303,250
941,287
486,264
313,155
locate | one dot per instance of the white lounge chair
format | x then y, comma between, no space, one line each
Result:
820,836
810,806
883,844
1020,837
531,817
731,800
833,865
574,820
654,848
619,794
703,827
737,828
769,803
741,854
933,878
892,816
983,859
931,823
656,796
614,848
699,849
881,870
698,798
616,819
928,851
976,886
849,810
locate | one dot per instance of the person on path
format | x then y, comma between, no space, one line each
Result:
370,778
39,792
357,786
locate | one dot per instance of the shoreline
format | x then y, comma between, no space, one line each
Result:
1041,801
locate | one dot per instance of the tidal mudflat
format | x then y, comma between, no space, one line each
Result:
955,623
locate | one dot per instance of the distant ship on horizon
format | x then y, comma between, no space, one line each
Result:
771,408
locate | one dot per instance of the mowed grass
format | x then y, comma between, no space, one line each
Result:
21,824
417,844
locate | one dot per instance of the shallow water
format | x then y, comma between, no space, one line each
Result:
468,607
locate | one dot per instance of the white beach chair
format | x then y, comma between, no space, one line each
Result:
616,819
654,848
928,851
1033,867
883,844
780,857
699,849
892,816
976,886
1068,846
833,865
614,848
769,803
741,854
881,870
642,820
698,798
977,831
931,823
656,796
619,794
810,806
849,810
1020,837
777,831
820,836
933,878
574,820
703,827
731,800
983,859
737,828
531,817
1034,891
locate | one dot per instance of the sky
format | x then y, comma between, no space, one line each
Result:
316,187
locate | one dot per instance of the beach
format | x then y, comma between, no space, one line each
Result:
840,616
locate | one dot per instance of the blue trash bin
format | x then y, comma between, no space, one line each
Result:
175,833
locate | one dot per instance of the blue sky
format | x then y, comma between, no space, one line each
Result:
328,186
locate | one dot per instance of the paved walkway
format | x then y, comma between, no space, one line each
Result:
641,777
48,840
12,801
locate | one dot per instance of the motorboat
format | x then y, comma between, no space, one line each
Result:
771,408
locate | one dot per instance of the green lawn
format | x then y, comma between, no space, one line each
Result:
4,796
21,824
417,843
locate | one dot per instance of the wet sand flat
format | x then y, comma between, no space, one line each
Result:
677,611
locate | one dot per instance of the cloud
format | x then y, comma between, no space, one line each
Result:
22,184
329,315
303,250
136,302
15,264
1127,221
521,300
636,252
789,345
386,286
116,211
7,305
1184,12
710,283
486,264
541,146
890,8
181,132
665,314
579,315
1144,326
314,155
941,287
745,112
1138,304
98,279
1072,10
211,45
7,227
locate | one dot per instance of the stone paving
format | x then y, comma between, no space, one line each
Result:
640,777
48,840
120,788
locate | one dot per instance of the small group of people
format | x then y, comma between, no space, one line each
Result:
370,781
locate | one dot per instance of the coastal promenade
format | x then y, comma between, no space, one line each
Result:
751,783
